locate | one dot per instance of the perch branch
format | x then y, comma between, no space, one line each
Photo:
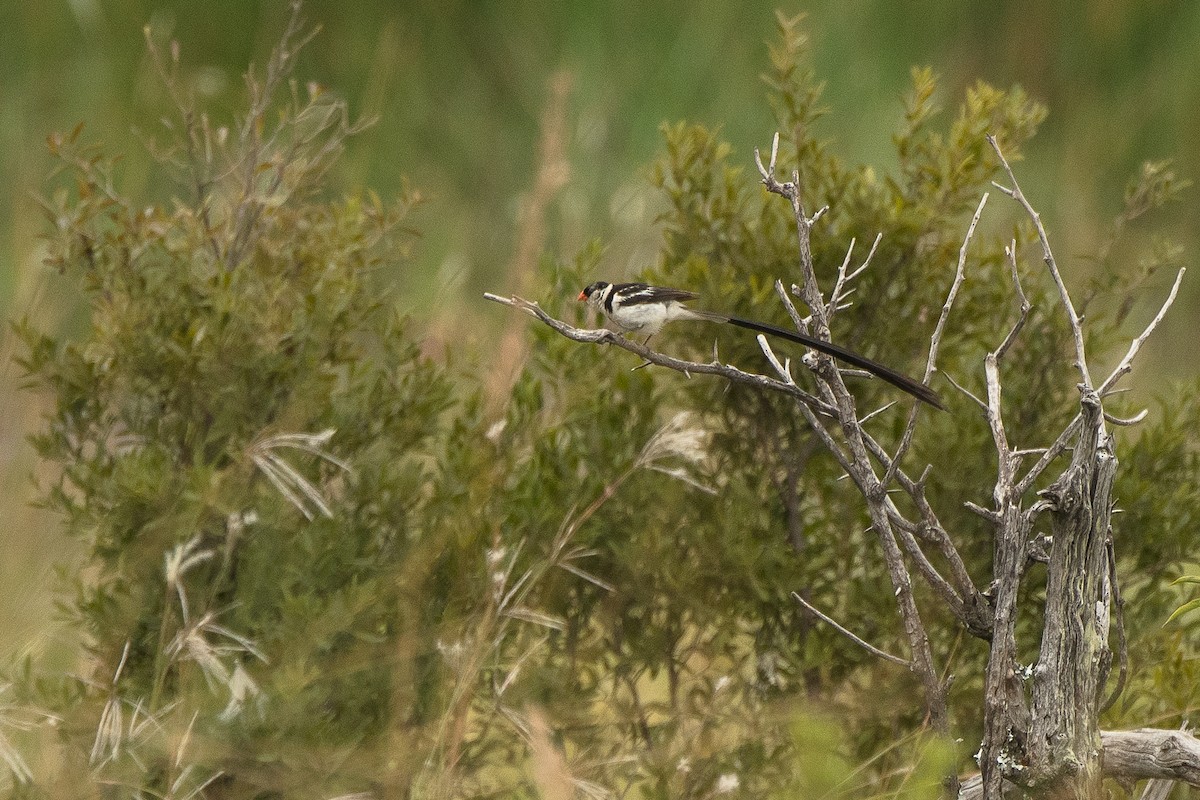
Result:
604,336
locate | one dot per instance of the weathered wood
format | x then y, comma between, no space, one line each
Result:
1136,755
1006,716
1064,738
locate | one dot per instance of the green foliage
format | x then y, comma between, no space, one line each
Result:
317,564
1190,605
243,432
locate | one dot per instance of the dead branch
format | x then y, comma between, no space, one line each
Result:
1064,296
863,643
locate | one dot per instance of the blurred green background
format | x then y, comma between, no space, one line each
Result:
460,90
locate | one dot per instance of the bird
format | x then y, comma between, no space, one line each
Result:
645,309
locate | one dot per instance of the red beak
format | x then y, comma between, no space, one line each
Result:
582,296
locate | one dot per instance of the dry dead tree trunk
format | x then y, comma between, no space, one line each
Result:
1051,743
1068,682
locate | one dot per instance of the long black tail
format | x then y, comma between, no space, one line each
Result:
897,379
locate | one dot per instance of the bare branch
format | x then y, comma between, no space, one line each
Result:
962,597
860,467
1127,362
784,373
1005,464
876,412
1076,324
818,429
1126,421
841,279
955,285
804,223
1052,452
767,172
1118,604
967,392
1068,433
942,587
839,292
800,323
831,622
986,513
935,340
1011,252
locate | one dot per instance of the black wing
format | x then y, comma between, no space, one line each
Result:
632,294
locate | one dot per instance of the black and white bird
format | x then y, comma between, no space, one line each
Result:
645,309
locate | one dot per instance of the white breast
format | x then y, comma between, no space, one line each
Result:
648,318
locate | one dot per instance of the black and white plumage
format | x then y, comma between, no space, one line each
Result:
642,308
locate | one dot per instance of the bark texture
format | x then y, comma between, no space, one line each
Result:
1131,756
1064,737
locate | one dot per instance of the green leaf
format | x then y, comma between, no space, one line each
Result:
1190,605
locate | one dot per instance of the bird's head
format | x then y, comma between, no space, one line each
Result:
593,292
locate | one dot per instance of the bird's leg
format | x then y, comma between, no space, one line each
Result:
644,363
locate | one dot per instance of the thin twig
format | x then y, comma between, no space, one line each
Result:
1010,251
863,420
935,340
986,513
784,373
1052,452
1076,324
818,429
841,279
831,622
800,323
1126,421
1127,362
966,392
839,292
959,276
